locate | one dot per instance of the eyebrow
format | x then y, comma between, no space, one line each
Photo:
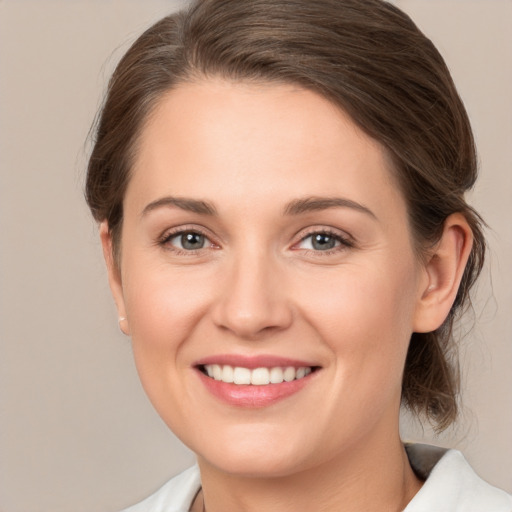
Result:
312,204
189,205
295,207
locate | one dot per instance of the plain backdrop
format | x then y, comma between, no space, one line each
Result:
76,431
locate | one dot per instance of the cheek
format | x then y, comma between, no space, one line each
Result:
365,315
163,309
363,297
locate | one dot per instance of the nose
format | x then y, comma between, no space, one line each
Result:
253,300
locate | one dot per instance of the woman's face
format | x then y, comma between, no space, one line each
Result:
265,240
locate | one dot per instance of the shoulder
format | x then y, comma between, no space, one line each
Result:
451,485
175,496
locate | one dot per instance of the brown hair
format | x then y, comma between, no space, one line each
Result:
368,58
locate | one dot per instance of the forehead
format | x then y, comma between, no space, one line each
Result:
222,140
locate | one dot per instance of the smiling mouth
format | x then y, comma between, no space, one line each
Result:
255,376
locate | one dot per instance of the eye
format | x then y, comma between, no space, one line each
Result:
319,242
187,240
323,241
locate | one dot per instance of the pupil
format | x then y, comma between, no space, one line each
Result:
192,241
322,241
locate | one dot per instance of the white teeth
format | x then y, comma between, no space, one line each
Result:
289,374
276,375
260,377
257,376
301,372
241,375
217,372
227,374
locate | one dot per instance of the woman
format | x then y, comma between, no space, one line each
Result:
280,191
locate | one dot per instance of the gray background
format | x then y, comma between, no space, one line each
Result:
76,432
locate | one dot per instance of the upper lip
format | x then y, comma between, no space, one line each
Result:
251,362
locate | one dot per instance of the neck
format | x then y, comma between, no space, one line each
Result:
362,479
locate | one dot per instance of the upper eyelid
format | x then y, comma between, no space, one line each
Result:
169,233
343,235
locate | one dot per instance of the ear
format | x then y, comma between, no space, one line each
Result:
443,273
114,276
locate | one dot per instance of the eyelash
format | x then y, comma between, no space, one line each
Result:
345,242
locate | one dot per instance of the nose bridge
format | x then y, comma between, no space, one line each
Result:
252,299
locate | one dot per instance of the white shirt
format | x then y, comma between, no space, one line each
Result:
451,486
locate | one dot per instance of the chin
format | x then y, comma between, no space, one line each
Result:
257,465
257,456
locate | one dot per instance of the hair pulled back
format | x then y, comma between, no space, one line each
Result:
366,57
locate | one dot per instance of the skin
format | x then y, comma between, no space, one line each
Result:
259,286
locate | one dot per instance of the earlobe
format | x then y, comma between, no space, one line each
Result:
443,273
114,276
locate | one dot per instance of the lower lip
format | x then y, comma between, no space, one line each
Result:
252,396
